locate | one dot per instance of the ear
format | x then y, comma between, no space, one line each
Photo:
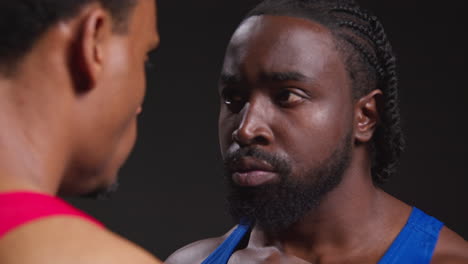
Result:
90,48
367,116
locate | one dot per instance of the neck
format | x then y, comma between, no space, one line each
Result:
32,141
354,217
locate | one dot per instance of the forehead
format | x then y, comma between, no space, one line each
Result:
280,43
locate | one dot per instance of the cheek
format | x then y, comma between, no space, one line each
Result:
137,73
326,122
226,127
121,153
128,76
135,82
315,133
126,86
127,141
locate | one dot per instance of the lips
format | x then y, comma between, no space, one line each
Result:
252,172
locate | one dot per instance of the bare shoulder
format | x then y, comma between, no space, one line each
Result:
196,252
69,240
450,249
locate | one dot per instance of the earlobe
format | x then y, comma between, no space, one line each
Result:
89,50
367,116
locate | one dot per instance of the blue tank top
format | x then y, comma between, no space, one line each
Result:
414,244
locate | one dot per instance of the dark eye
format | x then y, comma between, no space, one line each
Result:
233,99
289,97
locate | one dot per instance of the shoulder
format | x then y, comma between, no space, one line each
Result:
450,249
68,240
196,252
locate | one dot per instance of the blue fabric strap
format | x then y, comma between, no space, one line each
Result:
416,241
222,254
414,244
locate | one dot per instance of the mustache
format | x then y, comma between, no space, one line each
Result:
280,164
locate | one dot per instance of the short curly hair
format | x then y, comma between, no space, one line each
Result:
22,22
370,62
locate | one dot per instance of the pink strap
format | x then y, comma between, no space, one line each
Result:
18,208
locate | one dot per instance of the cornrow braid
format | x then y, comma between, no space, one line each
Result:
388,139
370,62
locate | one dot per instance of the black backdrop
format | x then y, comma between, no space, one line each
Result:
172,190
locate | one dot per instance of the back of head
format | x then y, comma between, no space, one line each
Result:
85,58
368,55
22,22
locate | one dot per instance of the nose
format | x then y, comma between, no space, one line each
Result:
255,126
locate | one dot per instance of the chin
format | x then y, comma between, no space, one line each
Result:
101,193
97,176
106,184
84,182
88,190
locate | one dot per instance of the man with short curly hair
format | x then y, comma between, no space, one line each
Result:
72,81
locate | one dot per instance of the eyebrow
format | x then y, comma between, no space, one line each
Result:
284,76
227,78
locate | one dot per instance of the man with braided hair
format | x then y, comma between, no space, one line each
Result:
309,127
72,81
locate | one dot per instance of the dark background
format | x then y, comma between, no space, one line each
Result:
172,189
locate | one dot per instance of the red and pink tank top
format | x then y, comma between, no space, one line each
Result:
19,208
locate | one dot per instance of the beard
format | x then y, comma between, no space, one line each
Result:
275,207
102,193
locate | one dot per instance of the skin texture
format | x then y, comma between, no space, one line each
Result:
304,120
70,113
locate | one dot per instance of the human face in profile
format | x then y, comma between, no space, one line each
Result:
119,94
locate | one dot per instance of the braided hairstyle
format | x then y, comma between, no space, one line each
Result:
370,62
22,22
